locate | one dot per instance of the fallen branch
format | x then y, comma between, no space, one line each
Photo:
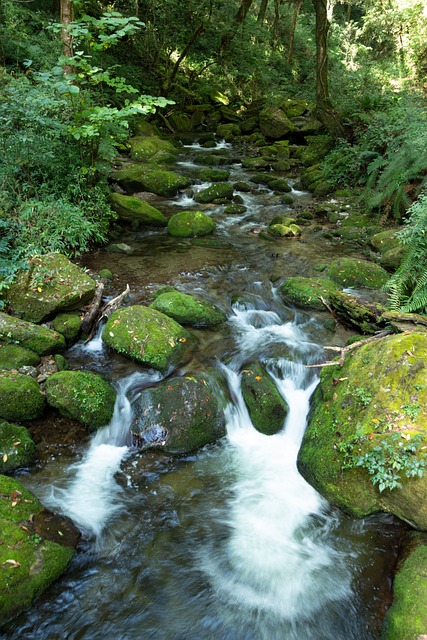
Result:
113,304
345,350
90,316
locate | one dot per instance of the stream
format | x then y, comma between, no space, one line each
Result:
229,542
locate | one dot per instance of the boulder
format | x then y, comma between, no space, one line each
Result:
228,131
188,224
280,184
16,447
147,336
140,177
306,292
266,407
179,415
31,336
385,240
367,433
235,209
256,163
68,325
317,148
38,550
20,397
186,309
152,149
213,175
136,211
216,191
274,123
283,231
353,272
12,356
81,395
51,284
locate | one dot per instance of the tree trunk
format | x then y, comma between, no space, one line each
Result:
67,16
262,11
184,53
276,23
298,5
324,109
239,19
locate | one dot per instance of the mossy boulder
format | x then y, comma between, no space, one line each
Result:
280,184
392,259
180,414
282,219
211,159
13,356
255,163
33,554
357,312
186,309
283,231
51,284
31,336
20,397
274,123
228,132
68,325
235,209
147,336
407,617
17,448
81,395
374,403
385,240
188,224
136,211
317,148
353,272
141,177
152,149
266,407
213,175
306,292
217,190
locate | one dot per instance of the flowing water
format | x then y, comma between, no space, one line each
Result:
229,543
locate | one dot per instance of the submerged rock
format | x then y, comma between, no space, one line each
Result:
31,336
51,284
82,395
188,224
20,397
306,292
179,415
136,211
186,309
266,407
147,336
353,272
363,419
17,448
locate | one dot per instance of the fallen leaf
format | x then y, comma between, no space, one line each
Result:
335,397
12,563
5,457
258,378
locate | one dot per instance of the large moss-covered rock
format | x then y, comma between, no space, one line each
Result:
142,177
283,231
17,448
353,272
147,336
228,131
180,414
306,292
38,339
407,617
385,240
274,123
266,407
13,356
280,184
20,397
51,284
152,149
33,552
378,396
215,191
186,309
136,211
82,395
213,175
188,224
68,325
317,148
357,312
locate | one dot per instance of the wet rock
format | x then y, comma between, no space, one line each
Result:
256,163
13,356
371,406
274,123
353,272
235,209
213,175
188,224
357,312
29,561
242,186
147,336
179,415
51,284
17,448
215,191
68,325
186,309
266,407
283,231
82,395
120,247
144,177
20,397
136,211
280,184
306,292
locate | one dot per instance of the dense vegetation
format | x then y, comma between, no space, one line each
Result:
69,98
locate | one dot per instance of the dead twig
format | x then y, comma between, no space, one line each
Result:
345,350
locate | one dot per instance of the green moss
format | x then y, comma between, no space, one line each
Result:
266,406
282,231
144,177
17,448
274,123
137,211
407,617
82,395
68,325
38,339
352,272
235,209
385,240
317,148
186,309
105,274
213,175
20,397
356,311
13,357
306,292
187,224
280,184
152,149
255,163
283,219
147,336
228,131
214,192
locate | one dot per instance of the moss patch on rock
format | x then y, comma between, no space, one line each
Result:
13,357
147,336
68,325
357,312
152,149
217,190
188,224
38,339
353,272
17,448
82,395
142,177
378,395
20,397
186,309
213,175
266,406
136,211
274,123
306,292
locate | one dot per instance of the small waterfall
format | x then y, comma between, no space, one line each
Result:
92,495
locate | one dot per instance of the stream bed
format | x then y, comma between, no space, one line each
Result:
230,542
